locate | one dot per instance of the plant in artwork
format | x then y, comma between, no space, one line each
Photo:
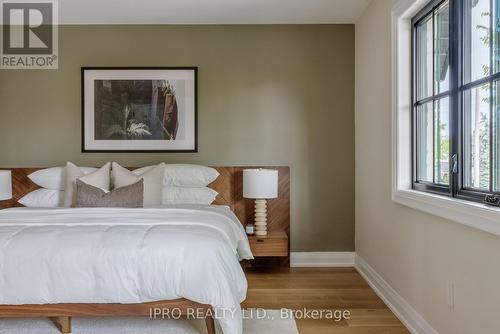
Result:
127,128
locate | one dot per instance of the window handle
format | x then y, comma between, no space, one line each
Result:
454,159
492,200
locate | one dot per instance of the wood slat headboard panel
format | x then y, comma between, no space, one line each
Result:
229,185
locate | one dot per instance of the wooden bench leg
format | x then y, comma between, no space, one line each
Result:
63,324
210,325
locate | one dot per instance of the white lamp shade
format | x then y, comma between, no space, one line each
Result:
5,185
260,183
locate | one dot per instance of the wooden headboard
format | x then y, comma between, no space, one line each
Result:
229,185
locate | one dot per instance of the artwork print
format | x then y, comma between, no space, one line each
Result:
139,109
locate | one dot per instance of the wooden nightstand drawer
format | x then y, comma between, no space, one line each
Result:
274,244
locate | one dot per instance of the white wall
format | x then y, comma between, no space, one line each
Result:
416,253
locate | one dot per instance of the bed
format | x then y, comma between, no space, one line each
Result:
82,268
77,256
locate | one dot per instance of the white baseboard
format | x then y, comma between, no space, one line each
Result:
322,259
415,323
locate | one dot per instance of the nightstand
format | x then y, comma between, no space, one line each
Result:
274,244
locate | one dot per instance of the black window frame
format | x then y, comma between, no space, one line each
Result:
456,186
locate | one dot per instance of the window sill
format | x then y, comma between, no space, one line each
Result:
471,214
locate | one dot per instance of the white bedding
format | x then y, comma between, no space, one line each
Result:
108,255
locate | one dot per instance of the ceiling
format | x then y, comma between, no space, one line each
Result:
210,11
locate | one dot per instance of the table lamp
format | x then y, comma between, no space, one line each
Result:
5,185
260,184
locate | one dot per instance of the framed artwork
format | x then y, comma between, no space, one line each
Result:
139,109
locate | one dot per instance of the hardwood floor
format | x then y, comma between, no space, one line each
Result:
323,289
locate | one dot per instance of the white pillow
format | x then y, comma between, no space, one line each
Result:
55,177
43,198
100,179
152,177
187,195
185,175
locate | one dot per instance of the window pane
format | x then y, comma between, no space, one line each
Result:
424,58
442,48
425,142
496,137
442,141
476,39
477,137
496,36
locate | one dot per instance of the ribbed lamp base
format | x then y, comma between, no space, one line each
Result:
260,217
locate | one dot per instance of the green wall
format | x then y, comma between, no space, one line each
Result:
268,95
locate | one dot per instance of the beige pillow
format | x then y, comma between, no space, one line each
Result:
153,181
93,197
99,179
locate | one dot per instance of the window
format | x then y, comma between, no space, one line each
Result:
456,99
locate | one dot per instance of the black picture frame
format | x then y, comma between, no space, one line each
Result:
85,149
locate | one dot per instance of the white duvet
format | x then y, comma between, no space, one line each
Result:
109,255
